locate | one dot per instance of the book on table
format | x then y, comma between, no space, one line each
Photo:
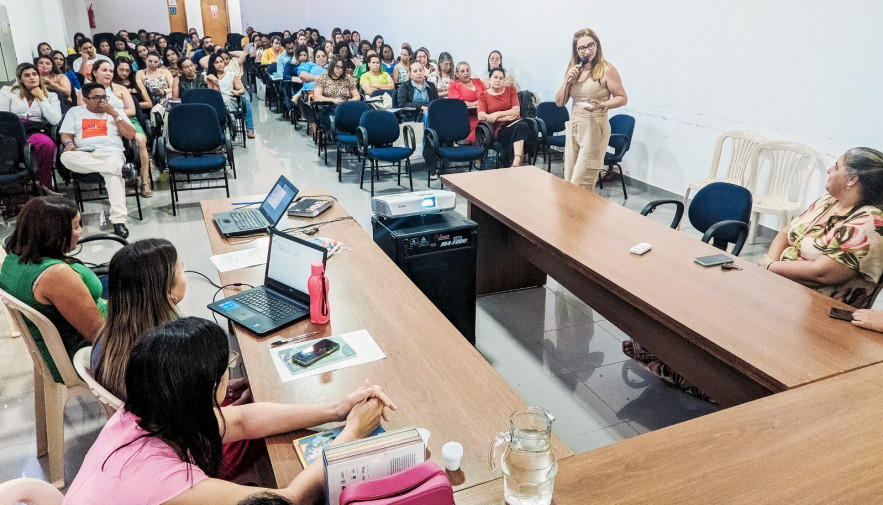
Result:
309,448
371,458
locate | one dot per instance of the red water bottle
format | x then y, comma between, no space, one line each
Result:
318,287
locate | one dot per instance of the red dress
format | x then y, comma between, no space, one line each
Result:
457,90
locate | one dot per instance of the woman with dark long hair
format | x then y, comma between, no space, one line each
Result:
165,445
54,79
38,271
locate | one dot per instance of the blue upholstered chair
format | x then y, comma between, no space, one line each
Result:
720,211
195,135
447,122
232,122
551,120
344,125
377,131
17,163
622,127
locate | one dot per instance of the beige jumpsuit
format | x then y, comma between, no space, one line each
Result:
587,135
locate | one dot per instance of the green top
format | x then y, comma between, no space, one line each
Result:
17,279
185,84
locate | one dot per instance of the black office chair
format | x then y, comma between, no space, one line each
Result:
720,210
344,127
17,169
234,42
378,129
551,120
195,134
622,127
177,40
447,123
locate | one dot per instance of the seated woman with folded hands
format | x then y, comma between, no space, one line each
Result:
375,78
334,86
499,106
165,445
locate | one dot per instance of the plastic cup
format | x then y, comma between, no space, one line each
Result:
424,434
452,453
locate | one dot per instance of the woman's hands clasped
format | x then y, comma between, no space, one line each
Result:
368,391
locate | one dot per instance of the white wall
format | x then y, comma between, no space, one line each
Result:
35,21
800,70
114,15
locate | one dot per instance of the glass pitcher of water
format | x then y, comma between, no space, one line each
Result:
528,465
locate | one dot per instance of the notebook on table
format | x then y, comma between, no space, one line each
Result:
239,222
284,297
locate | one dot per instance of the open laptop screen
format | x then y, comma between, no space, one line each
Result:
278,200
290,260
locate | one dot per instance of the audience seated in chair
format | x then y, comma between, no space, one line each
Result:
88,57
416,92
156,79
495,60
442,76
55,80
37,109
189,360
387,59
44,49
375,78
343,53
207,47
287,56
401,72
171,61
271,54
62,66
499,106
121,100
422,55
121,48
468,89
219,78
334,86
38,272
189,79
99,127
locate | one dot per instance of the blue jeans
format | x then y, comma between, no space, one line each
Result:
249,121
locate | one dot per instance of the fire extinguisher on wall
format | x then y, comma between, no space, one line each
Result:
91,16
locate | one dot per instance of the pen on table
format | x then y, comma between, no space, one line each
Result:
293,339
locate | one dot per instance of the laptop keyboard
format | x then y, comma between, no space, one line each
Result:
268,305
248,219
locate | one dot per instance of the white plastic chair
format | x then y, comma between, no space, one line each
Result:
83,367
743,143
30,491
49,396
790,164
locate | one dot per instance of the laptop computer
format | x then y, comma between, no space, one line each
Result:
284,297
239,222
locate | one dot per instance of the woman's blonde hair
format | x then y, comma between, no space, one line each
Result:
22,91
598,64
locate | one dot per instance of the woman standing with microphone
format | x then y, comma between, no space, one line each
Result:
595,86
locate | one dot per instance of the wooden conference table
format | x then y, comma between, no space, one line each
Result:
737,335
821,443
437,379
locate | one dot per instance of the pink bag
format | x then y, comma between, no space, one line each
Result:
425,484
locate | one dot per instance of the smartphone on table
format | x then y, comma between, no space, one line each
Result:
841,314
713,260
309,355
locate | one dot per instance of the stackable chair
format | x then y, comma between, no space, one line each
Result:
742,143
720,210
551,120
447,123
199,149
377,131
234,42
622,127
344,126
789,167
30,491
177,40
49,396
232,123
82,364
17,168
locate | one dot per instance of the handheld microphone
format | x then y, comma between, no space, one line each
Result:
583,62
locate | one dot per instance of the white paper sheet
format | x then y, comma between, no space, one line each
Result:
240,259
361,341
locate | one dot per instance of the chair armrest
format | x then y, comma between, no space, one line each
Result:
102,236
430,147
541,126
410,140
728,226
362,140
333,129
679,209
28,157
159,153
484,134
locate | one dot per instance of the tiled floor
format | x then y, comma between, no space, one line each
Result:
553,349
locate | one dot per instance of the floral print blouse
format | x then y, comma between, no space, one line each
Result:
854,240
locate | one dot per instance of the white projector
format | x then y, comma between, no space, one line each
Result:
410,204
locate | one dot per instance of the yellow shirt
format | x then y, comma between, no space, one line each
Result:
270,56
375,81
